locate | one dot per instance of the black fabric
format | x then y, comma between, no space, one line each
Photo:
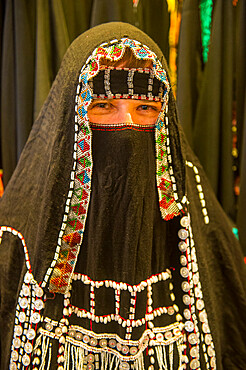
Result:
125,239
119,84
34,203
124,210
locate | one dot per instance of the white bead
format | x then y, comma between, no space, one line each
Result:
62,340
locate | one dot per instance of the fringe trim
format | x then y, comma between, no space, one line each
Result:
165,355
43,345
77,358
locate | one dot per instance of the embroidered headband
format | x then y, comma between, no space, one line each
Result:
127,83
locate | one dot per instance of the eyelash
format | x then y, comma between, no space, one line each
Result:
103,105
148,107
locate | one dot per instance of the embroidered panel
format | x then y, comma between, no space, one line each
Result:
75,342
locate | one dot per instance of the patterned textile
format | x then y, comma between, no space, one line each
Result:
127,83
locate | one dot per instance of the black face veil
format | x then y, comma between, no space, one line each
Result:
126,250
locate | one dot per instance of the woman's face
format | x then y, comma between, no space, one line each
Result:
113,111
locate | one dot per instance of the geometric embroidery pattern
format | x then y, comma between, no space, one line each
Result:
70,237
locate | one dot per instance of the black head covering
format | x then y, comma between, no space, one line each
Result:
38,198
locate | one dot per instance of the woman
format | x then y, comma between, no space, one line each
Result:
128,262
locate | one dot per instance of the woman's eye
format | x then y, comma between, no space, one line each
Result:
101,105
147,107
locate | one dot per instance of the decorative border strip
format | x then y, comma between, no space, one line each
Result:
121,127
195,312
125,350
200,191
130,322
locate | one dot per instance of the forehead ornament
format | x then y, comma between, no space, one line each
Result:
127,83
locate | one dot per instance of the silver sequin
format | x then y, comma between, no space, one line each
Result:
14,356
208,339
30,334
185,221
182,246
168,335
124,366
189,326
28,347
159,337
187,314
22,317
39,291
93,342
71,333
39,304
48,326
133,350
125,350
35,318
26,290
13,366
112,343
79,336
23,303
186,299
26,360
184,272
194,364
90,357
183,260
192,339
183,234
200,304
194,352
185,286
103,342
18,330
86,339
